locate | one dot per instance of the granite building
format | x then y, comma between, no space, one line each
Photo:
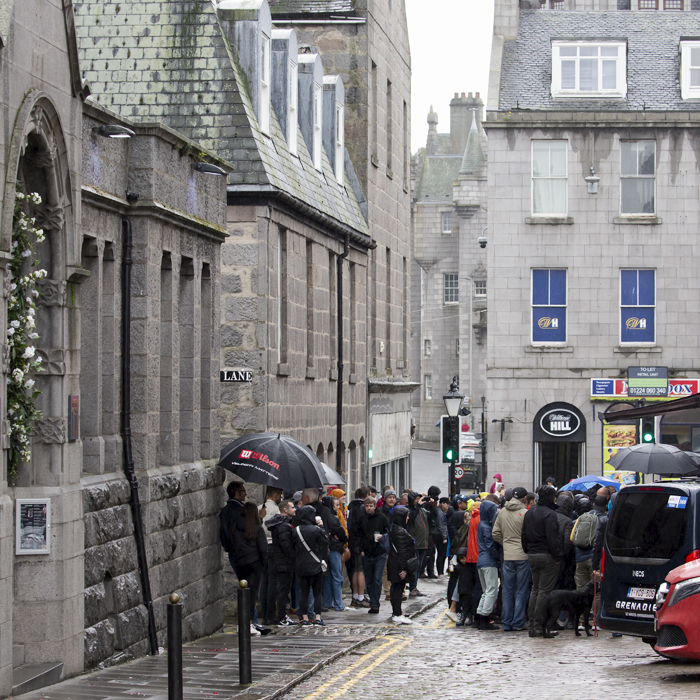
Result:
365,42
593,126
448,319
74,567
294,266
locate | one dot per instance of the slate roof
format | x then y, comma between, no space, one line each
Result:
169,62
287,8
437,178
653,81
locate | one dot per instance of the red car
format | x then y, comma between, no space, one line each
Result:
677,619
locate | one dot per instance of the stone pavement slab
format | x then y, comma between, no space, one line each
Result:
210,666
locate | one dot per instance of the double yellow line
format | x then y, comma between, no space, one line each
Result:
382,653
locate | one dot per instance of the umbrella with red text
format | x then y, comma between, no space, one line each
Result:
274,460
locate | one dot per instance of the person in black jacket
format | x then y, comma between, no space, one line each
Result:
401,549
333,581
542,544
310,548
373,524
354,564
419,528
236,496
281,559
250,545
454,528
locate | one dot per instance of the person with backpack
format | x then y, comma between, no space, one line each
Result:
311,551
374,550
401,554
583,537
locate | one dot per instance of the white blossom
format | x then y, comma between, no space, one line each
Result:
29,383
26,253
13,286
17,374
14,324
10,331
29,351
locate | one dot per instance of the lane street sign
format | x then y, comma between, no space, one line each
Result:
235,376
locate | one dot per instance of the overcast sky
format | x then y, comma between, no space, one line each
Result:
450,52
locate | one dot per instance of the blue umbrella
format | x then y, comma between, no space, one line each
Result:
583,483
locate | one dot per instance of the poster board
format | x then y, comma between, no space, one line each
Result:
32,526
616,436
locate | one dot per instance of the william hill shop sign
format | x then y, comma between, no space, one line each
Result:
618,389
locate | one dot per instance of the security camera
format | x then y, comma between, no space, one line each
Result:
482,241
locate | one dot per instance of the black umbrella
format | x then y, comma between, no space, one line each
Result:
273,460
666,460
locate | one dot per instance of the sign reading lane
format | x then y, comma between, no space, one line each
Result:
235,375
647,381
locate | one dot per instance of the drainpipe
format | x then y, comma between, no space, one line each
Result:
128,465
339,407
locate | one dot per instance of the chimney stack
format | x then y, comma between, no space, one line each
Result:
462,110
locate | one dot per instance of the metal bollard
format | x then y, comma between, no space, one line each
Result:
245,662
175,648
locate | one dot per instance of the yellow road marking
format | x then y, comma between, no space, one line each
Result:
351,668
345,687
436,622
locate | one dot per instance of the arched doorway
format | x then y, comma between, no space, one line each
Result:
559,434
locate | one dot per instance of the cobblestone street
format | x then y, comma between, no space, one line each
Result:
435,659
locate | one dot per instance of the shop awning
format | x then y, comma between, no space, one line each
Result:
657,409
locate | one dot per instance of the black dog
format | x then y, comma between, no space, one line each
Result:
576,602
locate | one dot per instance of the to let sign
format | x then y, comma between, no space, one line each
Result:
647,381
235,376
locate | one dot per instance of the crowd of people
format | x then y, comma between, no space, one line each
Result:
504,551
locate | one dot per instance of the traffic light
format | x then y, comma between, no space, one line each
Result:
648,430
446,442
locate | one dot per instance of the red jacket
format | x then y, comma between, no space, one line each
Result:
472,545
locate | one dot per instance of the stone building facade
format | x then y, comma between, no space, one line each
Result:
80,602
593,211
244,88
366,43
448,321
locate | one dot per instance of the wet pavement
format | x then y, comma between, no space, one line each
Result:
435,659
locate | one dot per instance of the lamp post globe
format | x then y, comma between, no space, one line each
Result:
453,399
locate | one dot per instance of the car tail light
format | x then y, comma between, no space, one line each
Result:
602,566
693,556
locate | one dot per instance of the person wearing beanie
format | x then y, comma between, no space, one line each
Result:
401,551
507,531
542,543
380,500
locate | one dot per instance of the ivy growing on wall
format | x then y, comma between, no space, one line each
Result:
21,331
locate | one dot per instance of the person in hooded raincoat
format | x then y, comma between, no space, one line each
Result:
487,565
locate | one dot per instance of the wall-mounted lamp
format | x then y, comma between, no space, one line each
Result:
503,422
209,168
592,181
113,131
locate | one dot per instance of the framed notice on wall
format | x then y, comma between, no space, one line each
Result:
32,526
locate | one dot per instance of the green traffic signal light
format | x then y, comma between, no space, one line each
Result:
448,454
648,430
648,437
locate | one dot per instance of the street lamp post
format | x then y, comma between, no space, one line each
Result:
453,403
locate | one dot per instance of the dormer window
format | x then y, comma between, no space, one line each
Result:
339,141
265,70
690,69
318,122
589,69
293,136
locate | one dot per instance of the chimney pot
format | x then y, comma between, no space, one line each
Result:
456,95
477,94
463,95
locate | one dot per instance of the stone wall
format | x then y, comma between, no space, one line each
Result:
180,507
